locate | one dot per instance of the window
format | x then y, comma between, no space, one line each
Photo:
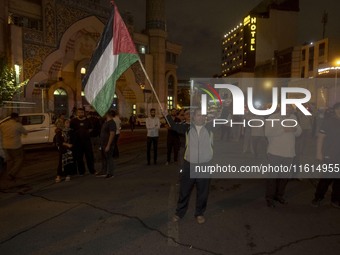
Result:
311,53
310,65
171,57
303,55
142,49
32,120
171,88
170,102
321,49
60,92
303,72
22,21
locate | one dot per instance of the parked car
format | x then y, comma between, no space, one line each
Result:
141,120
40,127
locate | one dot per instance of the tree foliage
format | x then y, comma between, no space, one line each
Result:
8,85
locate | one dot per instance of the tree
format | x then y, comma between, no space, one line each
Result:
8,84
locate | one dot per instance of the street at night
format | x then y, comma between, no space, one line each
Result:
131,213
169,127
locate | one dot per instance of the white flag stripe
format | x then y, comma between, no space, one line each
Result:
104,68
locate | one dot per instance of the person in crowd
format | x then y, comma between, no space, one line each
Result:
11,131
116,138
281,151
258,139
152,125
107,135
59,123
247,147
95,121
306,124
328,152
82,128
227,115
197,133
73,112
132,121
173,142
64,142
184,116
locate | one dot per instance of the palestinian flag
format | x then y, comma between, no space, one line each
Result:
115,53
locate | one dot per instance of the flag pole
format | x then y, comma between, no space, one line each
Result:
153,90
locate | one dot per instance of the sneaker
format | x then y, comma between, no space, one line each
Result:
336,204
109,176
316,202
58,179
200,219
175,218
67,179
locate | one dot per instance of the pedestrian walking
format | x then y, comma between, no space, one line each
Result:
152,125
11,131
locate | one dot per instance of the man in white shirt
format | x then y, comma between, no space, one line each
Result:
152,125
281,151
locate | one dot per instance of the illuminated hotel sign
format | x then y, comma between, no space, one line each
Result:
249,43
251,22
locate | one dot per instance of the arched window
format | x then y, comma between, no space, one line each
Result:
60,101
60,92
171,91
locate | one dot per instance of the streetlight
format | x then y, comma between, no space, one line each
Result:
337,66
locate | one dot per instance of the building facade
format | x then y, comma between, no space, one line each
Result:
269,27
52,42
264,45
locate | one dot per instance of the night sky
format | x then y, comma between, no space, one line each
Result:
200,25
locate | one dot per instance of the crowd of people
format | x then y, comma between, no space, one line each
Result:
190,139
87,137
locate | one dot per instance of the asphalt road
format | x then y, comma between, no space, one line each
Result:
131,213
